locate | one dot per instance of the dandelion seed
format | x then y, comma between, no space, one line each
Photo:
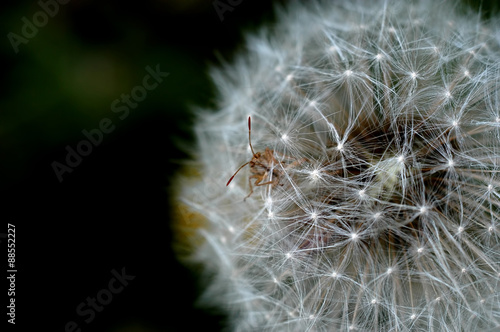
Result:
284,137
315,174
340,146
413,75
412,317
289,77
379,57
348,73
374,301
420,250
460,230
288,255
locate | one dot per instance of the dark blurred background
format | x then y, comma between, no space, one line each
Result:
112,211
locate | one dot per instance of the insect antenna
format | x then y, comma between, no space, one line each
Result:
231,179
249,135
251,148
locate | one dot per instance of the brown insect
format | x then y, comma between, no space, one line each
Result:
261,165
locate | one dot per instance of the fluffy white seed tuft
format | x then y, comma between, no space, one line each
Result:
370,200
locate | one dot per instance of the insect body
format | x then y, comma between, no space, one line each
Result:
261,165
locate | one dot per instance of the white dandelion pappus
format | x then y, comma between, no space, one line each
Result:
376,201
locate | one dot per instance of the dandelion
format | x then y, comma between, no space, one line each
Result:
377,205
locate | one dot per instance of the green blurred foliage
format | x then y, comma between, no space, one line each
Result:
65,79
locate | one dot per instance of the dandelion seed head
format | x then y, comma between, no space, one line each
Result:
363,137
